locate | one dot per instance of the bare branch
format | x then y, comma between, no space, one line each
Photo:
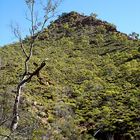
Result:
27,18
22,47
33,74
16,31
36,28
25,79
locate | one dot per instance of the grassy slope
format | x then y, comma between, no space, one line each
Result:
92,75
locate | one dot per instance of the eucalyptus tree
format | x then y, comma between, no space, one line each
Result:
36,28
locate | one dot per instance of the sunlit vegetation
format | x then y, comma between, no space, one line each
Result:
91,83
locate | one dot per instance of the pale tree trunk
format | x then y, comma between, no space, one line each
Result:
25,79
35,30
15,119
110,136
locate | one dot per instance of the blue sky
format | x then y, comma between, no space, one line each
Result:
123,13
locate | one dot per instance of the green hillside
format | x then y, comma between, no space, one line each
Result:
90,88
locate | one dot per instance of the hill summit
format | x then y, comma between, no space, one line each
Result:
82,20
90,88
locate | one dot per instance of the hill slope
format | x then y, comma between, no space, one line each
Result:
91,82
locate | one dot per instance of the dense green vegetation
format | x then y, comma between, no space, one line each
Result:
91,84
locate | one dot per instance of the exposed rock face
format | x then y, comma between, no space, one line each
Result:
76,19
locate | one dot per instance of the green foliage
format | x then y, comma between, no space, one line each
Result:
134,35
91,82
94,15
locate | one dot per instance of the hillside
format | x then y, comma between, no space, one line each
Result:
91,84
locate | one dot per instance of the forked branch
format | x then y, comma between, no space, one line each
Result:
35,30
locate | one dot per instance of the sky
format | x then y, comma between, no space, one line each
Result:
123,13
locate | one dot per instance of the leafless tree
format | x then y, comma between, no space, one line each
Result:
36,28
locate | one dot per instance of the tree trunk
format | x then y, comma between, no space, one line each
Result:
15,118
22,83
110,136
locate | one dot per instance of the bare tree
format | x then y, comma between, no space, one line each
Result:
36,28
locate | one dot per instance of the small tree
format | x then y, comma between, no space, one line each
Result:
134,35
36,28
94,15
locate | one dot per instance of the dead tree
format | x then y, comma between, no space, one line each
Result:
36,28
